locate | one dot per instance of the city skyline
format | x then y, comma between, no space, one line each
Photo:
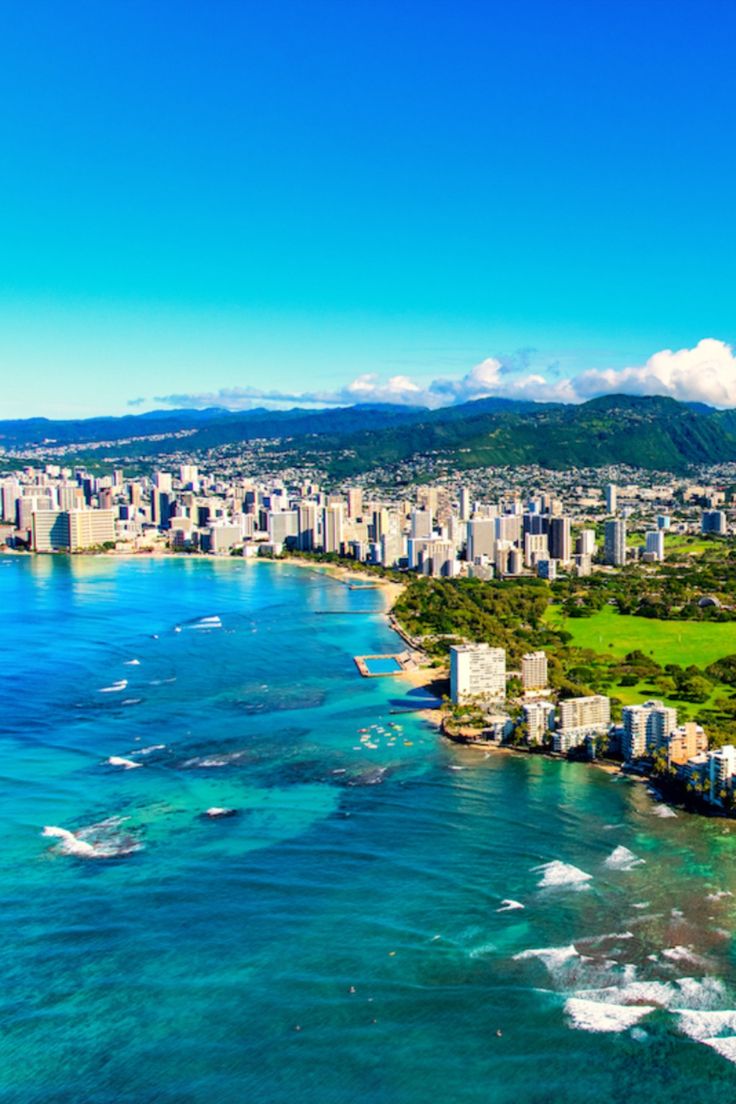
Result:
281,202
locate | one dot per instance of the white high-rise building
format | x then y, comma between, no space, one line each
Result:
646,728
477,670
580,718
611,496
539,718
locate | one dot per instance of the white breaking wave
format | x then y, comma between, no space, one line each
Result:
70,845
622,859
119,761
132,663
550,956
663,811
153,747
685,954
706,1025
507,905
587,1015
558,874
116,686
725,1047
103,840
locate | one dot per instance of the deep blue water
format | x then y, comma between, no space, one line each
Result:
339,938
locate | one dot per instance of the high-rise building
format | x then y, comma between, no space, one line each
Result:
585,543
477,671
560,545
655,543
355,503
481,538
421,524
714,521
539,718
332,528
534,671
308,538
580,718
465,504
647,728
684,742
50,530
536,548
611,497
614,542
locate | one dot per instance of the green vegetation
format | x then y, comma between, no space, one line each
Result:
679,642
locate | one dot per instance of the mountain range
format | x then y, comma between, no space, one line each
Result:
649,432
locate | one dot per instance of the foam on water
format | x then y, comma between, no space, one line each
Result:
550,956
588,1015
558,875
119,761
622,859
115,688
663,811
507,905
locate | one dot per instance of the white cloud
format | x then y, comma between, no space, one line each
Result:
706,373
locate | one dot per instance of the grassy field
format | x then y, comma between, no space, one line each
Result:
683,642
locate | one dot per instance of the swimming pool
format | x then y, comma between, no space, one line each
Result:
382,665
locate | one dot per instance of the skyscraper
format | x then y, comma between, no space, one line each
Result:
614,542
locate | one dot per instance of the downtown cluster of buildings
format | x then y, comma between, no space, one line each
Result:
479,680
438,531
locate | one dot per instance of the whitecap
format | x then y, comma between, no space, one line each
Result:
725,1047
119,761
70,844
663,811
558,874
152,747
706,1025
550,956
622,859
116,686
685,954
131,701
132,663
507,905
587,1015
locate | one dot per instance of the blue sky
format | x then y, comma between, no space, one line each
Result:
204,202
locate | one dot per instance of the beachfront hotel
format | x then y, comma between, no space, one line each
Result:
477,671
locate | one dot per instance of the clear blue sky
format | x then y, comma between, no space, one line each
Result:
286,195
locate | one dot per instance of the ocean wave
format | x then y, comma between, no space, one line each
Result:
152,747
622,859
103,840
115,688
587,1015
663,811
213,760
550,956
558,875
119,761
132,663
507,905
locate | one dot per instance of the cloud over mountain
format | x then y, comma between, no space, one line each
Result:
705,373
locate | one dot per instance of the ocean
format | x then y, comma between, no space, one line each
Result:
386,918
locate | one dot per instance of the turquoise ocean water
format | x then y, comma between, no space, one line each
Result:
353,933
